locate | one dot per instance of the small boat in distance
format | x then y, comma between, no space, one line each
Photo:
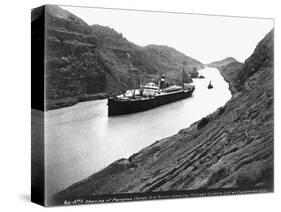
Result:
210,86
148,96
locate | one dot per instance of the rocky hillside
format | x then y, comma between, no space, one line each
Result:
88,62
222,63
231,148
230,73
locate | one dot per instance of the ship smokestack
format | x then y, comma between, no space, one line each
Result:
162,82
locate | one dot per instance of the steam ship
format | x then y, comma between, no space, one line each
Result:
149,96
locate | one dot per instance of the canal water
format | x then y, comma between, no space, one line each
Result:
82,139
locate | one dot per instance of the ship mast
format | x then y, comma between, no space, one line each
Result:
182,82
183,72
135,71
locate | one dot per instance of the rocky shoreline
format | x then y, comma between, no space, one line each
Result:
53,104
230,148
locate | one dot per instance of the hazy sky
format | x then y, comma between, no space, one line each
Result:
205,38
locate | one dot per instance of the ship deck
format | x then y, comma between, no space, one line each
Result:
142,98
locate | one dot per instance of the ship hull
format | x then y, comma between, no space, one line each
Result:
120,107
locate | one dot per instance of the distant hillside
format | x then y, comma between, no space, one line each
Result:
89,62
223,62
170,61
